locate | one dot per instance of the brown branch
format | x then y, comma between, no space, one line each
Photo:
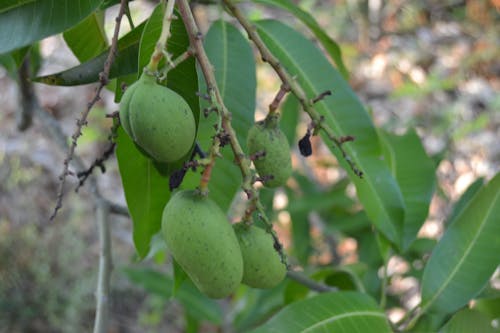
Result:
284,89
98,162
82,121
292,83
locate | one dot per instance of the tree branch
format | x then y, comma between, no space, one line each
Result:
105,267
82,121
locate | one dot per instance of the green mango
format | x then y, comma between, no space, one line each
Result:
266,136
202,241
262,266
157,119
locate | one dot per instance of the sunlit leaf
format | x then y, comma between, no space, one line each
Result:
467,254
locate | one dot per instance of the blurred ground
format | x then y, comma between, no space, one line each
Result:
432,65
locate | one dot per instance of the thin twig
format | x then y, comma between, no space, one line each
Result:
289,81
98,162
309,283
82,121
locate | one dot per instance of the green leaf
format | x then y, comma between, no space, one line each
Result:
88,72
489,306
467,255
195,304
24,22
232,58
465,198
415,174
338,312
343,112
328,43
290,114
467,321
87,39
146,191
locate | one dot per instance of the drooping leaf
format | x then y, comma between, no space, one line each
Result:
88,72
328,43
234,69
195,303
22,22
338,312
415,174
466,321
146,191
467,254
87,39
344,114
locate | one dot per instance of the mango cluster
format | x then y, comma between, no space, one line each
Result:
217,256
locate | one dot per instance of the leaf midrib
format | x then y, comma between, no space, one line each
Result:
344,315
466,253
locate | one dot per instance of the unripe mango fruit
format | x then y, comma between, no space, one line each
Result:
262,266
158,120
203,242
266,136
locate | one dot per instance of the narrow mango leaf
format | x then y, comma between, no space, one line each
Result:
465,198
195,304
338,312
87,39
328,43
467,254
10,4
146,191
88,72
343,112
234,65
467,321
415,174
24,22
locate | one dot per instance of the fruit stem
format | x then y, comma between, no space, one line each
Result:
158,54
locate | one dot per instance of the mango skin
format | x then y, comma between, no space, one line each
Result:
267,136
203,242
158,120
262,266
